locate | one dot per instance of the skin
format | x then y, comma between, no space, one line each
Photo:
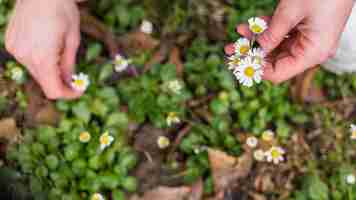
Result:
44,36
301,34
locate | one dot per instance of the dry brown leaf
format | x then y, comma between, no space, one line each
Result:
175,59
303,89
157,58
226,170
96,29
165,193
9,130
137,41
48,114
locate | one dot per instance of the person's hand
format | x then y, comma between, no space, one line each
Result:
44,36
301,35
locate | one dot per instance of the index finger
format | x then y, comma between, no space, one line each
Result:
53,86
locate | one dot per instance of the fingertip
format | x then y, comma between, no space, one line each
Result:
244,30
229,49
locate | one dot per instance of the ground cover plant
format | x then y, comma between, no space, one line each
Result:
163,117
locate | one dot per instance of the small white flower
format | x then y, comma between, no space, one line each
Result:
268,135
242,46
275,155
353,131
350,179
248,72
121,63
163,142
17,74
97,196
258,55
172,118
80,82
257,25
84,137
146,27
259,155
252,141
105,140
234,61
175,86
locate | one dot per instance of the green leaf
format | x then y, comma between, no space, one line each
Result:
94,50
317,189
82,112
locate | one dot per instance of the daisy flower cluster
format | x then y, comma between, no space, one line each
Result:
246,61
274,154
105,139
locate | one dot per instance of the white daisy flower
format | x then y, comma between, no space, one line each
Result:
172,118
121,63
258,55
163,142
242,46
175,86
353,131
80,82
84,137
350,179
17,74
97,196
248,72
146,27
252,141
234,61
275,155
259,155
268,135
105,140
257,25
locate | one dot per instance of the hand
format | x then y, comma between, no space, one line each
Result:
44,36
301,35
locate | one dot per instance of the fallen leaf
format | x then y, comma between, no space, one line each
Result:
91,26
227,170
137,41
303,89
48,114
157,57
165,193
175,59
9,130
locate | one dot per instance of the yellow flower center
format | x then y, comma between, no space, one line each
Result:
256,28
249,71
96,197
79,82
275,153
172,115
163,142
84,137
105,140
353,134
244,49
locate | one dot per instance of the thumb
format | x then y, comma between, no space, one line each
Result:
68,58
285,18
